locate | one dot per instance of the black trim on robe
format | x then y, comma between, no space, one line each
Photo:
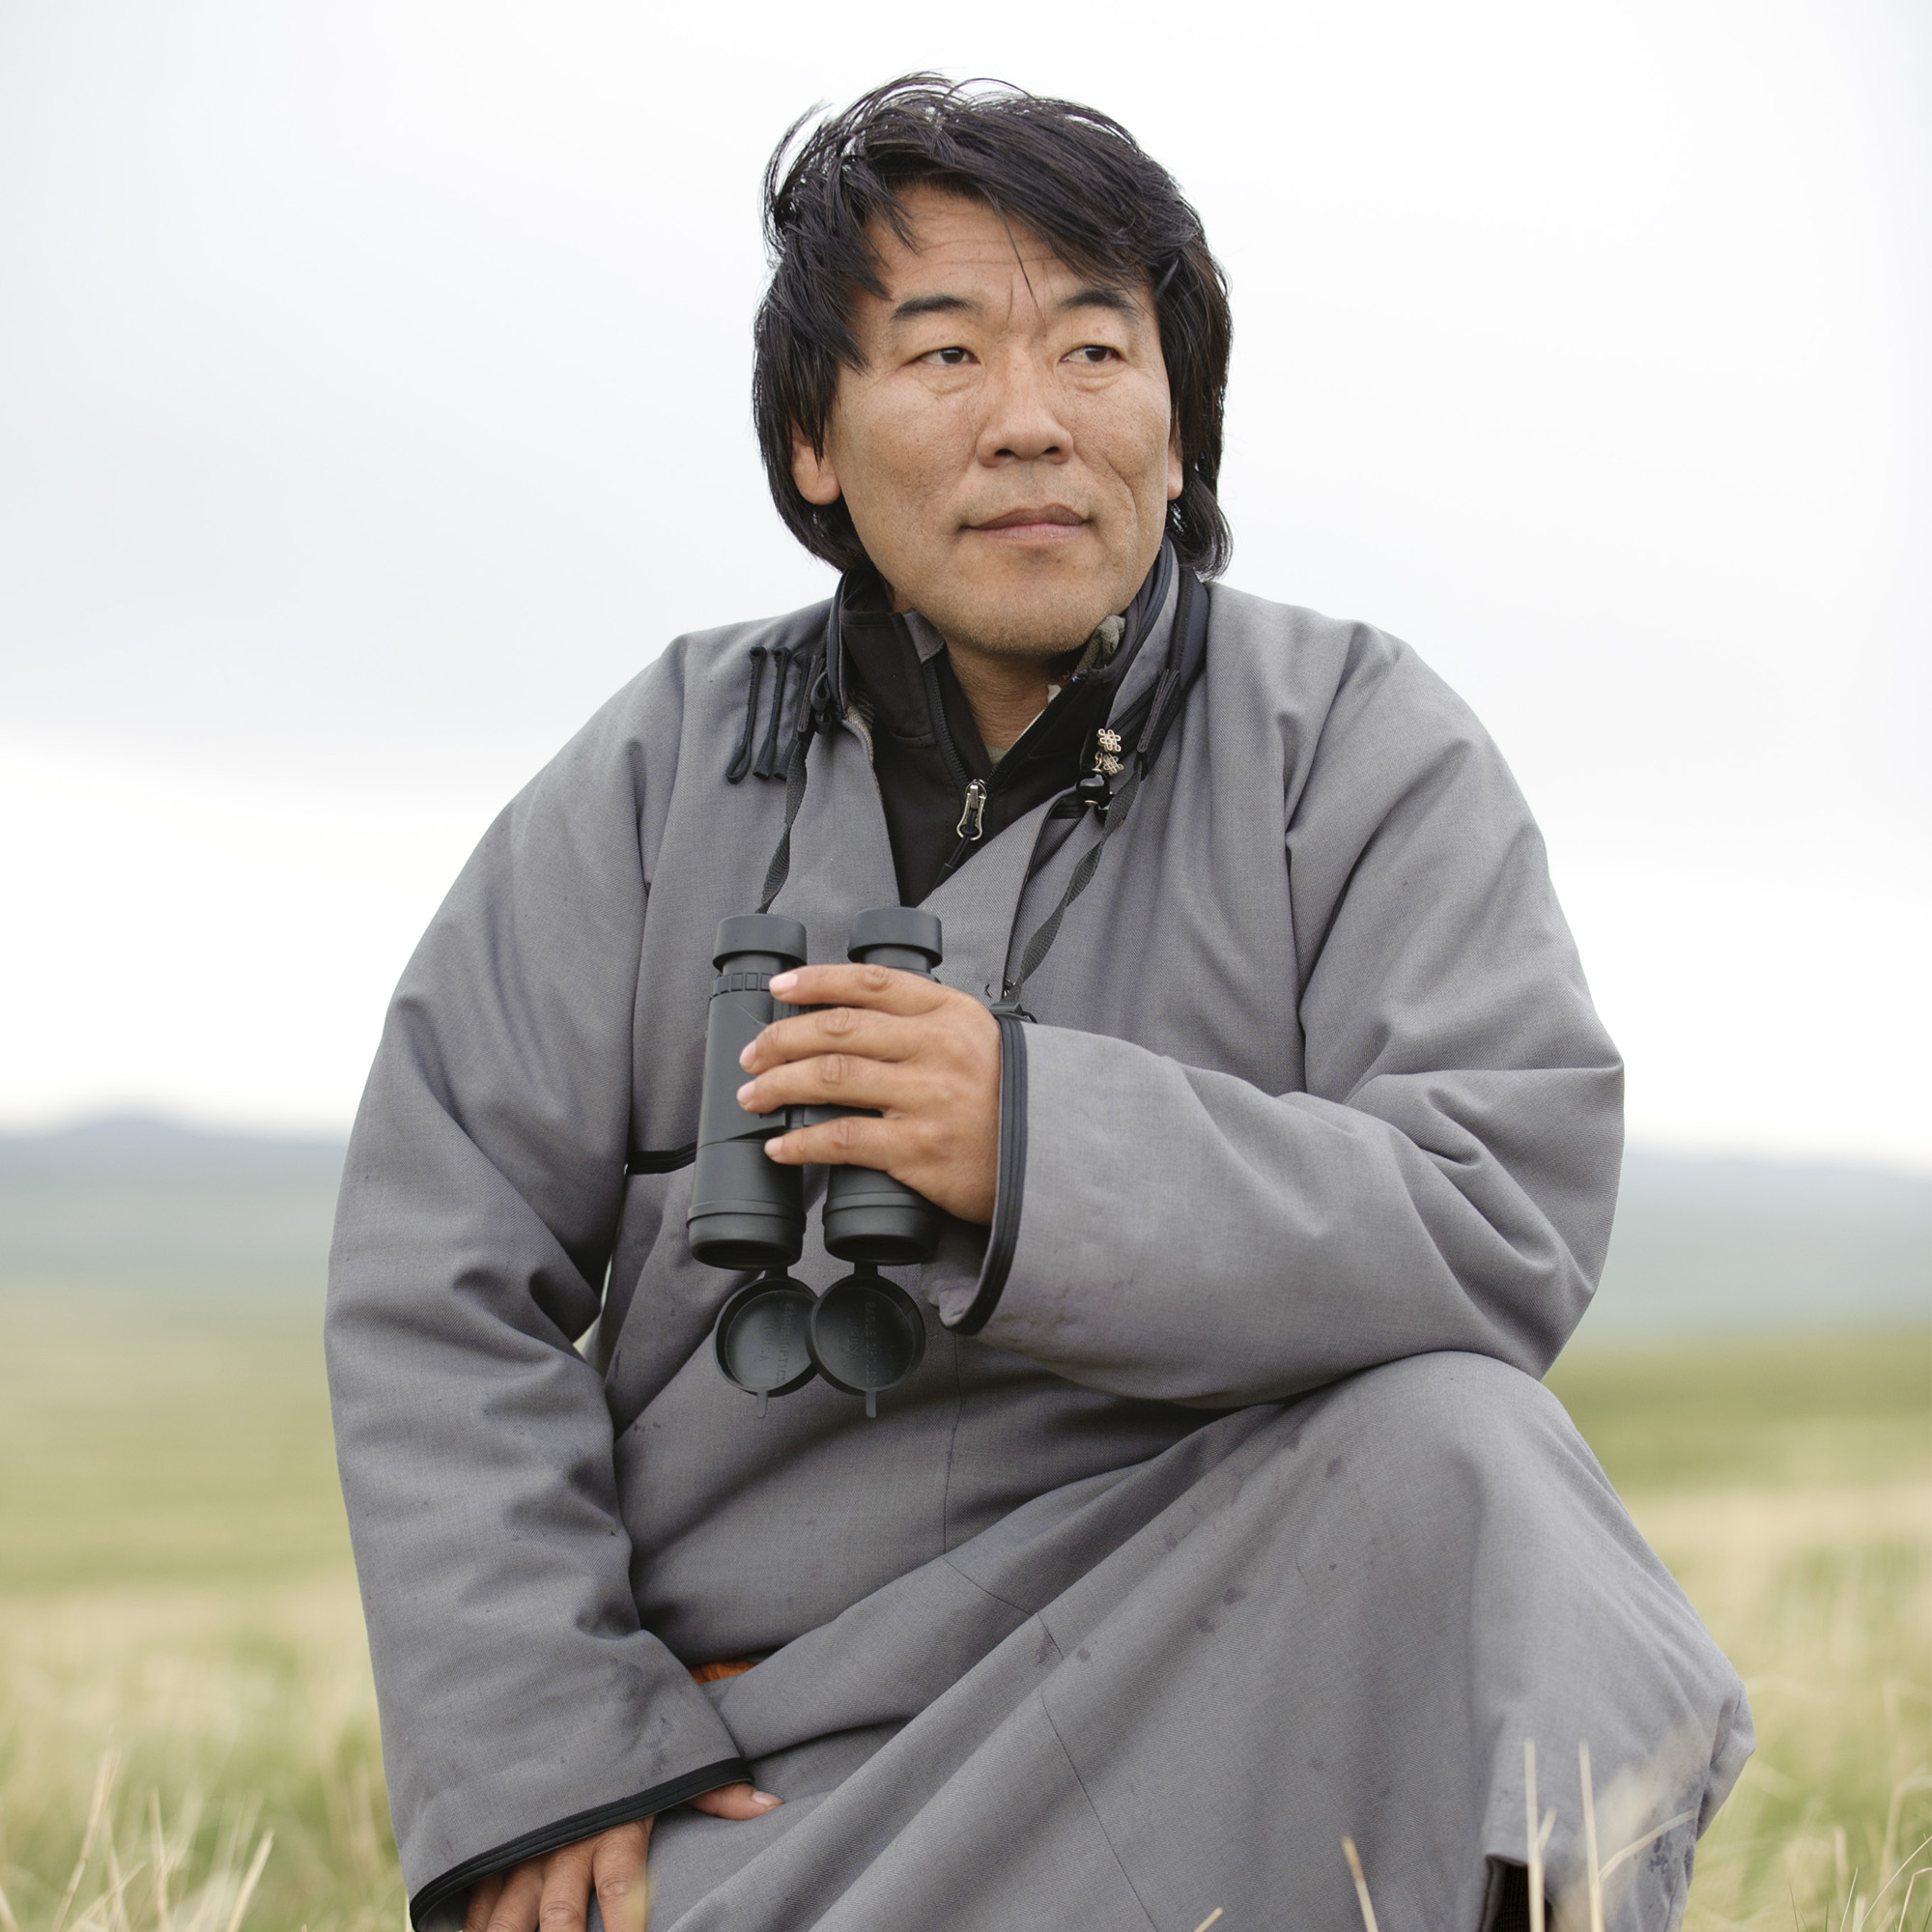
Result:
579,1825
1009,1182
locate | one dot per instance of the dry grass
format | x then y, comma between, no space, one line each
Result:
175,1597
226,1720
1824,1599
1789,1487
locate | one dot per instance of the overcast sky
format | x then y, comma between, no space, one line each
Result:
373,402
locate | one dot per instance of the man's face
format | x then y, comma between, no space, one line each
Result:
1007,451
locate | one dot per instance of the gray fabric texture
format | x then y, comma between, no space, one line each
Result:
1241,1523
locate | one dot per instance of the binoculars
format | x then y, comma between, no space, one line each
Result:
865,1334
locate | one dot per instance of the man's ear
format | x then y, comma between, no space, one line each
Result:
812,471
1176,471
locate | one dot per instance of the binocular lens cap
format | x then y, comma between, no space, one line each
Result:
867,1334
762,1339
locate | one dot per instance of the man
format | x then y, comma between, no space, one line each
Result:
1224,1516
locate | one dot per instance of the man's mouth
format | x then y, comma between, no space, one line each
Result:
1050,521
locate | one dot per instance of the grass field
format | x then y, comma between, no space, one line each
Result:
176,1602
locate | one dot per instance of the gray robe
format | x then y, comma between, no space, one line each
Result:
1240,1524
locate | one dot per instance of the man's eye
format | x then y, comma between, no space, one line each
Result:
1093,352
949,358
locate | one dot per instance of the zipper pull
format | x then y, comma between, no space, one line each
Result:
975,811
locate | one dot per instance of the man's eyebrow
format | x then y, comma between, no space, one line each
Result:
918,305
1116,301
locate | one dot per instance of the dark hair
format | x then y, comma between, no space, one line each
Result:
1077,179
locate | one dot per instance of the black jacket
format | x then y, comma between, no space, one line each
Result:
943,796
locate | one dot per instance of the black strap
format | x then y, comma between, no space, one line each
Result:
1048,929
780,870
767,766
1186,653
813,697
659,1160
741,759
668,1160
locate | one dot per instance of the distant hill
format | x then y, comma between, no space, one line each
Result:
1701,1243
1723,1243
140,1202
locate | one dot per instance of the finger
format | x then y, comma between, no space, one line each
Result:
483,1897
515,1906
739,1801
883,988
617,1869
854,1140
839,1029
565,1903
844,1080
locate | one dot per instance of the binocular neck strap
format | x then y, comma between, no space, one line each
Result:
1048,929
1168,691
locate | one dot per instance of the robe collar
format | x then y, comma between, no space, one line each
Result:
880,653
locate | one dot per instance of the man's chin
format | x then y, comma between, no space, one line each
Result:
1019,631
1030,606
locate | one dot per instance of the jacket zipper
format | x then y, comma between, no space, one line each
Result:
969,826
974,792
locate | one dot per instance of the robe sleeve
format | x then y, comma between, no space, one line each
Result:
523,1707
1445,1177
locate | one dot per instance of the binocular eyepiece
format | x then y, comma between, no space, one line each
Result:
865,1334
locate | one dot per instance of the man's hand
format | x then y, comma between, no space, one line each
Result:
925,1056
553,1891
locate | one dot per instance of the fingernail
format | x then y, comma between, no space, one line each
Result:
783,982
745,1058
765,1801
772,1147
745,1092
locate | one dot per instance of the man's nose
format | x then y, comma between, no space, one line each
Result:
1022,421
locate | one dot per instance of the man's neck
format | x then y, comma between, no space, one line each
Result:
1007,693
